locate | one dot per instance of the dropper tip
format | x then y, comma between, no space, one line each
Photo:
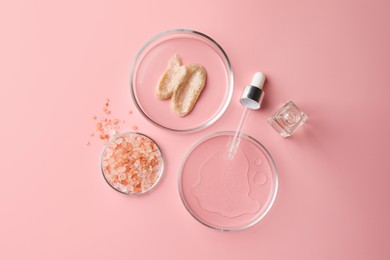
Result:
258,80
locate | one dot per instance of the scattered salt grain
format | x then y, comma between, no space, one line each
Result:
106,127
112,132
106,110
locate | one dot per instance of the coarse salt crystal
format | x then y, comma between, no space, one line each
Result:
122,176
118,140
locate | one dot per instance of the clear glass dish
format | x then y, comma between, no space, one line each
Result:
132,163
223,194
193,47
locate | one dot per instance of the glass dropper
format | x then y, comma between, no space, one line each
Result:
251,99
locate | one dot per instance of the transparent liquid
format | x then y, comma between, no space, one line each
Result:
223,193
224,185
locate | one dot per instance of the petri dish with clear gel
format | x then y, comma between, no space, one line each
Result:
223,194
193,48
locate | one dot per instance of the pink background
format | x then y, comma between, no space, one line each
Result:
59,60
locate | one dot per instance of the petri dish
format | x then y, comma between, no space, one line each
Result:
132,163
193,47
223,194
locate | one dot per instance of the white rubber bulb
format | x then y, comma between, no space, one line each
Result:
258,80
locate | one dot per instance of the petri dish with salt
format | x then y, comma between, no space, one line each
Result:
223,194
132,163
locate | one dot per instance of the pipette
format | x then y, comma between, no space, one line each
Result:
251,99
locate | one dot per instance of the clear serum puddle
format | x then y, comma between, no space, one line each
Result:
228,194
224,185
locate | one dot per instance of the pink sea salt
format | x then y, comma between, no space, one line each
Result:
107,126
106,110
132,163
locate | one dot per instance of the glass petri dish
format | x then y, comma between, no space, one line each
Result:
228,195
193,47
132,163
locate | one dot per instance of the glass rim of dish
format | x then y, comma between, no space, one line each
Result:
269,157
228,68
161,169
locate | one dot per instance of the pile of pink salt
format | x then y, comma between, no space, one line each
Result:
108,126
132,163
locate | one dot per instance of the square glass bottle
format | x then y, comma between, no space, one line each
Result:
287,119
